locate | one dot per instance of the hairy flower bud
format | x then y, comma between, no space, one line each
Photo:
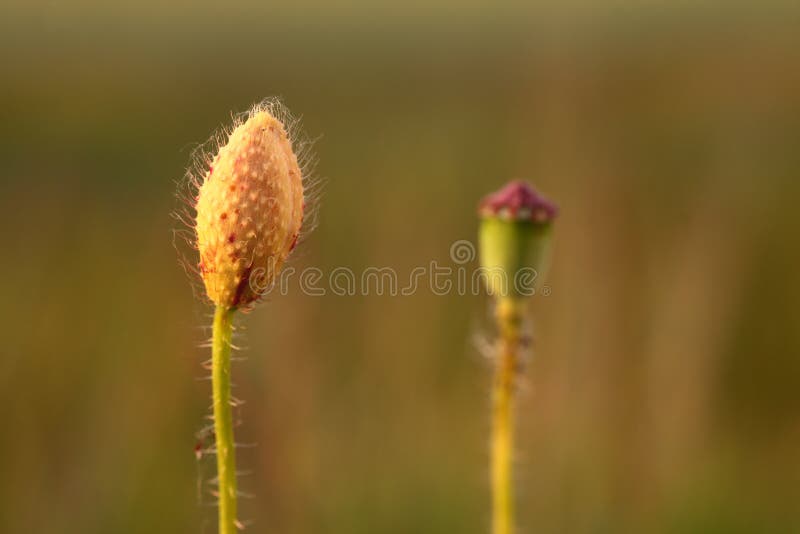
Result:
249,210
514,238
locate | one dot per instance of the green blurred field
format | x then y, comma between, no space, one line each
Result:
664,395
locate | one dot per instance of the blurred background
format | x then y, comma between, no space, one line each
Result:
664,393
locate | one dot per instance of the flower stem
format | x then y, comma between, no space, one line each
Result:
508,315
223,418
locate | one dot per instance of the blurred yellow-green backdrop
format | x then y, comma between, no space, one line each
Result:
664,393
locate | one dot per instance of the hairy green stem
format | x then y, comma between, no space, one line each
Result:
223,418
508,315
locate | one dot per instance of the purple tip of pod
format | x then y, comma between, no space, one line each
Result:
519,201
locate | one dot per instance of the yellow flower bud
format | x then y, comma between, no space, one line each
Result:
249,210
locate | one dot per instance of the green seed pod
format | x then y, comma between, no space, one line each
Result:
514,239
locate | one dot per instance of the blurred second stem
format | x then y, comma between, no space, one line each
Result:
508,314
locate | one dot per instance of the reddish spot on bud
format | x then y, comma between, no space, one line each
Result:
223,215
231,238
243,282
